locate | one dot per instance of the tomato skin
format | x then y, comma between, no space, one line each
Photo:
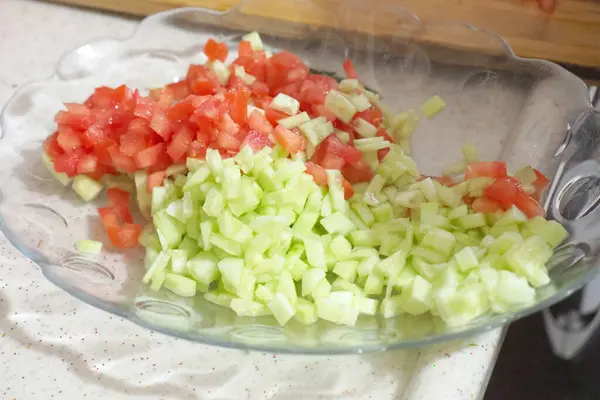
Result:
502,191
273,115
178,147
490,169
111,225
348,189
530,207
486,206
155,179
383,152
215,50
238,106
333,145
540,184
349,69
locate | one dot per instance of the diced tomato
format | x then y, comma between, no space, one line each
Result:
139,126
259,89
273,115
502,191
289,140
468,200
180,143
357,173
259,122
88,163
215,50
67,162
94,136
129,235
178,90
111,225
371,115
98,173
490,169
201,80
540,184
163,161
245,49
51,146
118,200
319,110
228,142
384,152
530,207
333,145
348,189
332,161
144,107
132,144
160,124
197,150
326,83
238,106
318,173
77,116
148,157
155,179
349,69
68,139
227,125
180,111
256,140
121,161
487,206
106,97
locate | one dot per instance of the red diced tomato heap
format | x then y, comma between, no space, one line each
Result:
118,130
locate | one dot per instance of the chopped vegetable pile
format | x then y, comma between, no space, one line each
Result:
274,191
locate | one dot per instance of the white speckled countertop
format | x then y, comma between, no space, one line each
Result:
53,346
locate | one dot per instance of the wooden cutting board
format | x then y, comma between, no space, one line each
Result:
570,36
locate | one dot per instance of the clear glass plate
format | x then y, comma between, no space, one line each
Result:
512,109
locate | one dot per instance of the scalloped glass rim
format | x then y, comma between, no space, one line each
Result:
94,60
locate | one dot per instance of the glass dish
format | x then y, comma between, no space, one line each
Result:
520,111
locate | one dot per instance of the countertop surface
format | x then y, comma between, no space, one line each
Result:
53,346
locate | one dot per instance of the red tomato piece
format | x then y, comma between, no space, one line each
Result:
148,157
289,140
540,184
228,142
256,140
371,115
333,145
318,173
180,143
238,106
163,162
259,122
97,174
180,111
121,161
273,115
349,69
348,189
139,126
129,235
384,152
51,146
298,74
111,225
319,110
490,169
202,81
118,200
486,206
77,116
245,49
215,50
197,150
502,191
468,200
530,207
155,179
228,125
144,107
259,89
357,173
132,144
331,161
160,124
93,136
68,162
68,139
88,163
178,90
